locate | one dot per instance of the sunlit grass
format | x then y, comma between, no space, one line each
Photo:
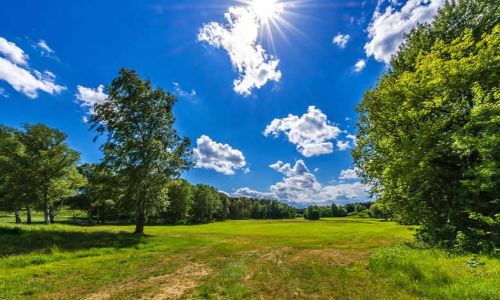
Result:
249,259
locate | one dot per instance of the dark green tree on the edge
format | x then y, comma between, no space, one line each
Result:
429,131
142,147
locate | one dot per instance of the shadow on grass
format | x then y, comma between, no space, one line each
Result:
342,220
18,240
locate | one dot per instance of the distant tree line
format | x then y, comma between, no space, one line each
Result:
40,172
363,210
101,199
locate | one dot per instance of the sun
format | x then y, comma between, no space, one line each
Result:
266,10
272,16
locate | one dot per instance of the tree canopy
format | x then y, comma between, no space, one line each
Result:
142,146
429,134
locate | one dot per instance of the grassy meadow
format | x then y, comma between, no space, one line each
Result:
335,258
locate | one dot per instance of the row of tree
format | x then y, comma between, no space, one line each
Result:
102,198
367,210
39,171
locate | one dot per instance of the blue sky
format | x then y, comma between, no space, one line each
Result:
259,82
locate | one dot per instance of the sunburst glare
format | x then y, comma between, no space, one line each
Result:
267,9
271,14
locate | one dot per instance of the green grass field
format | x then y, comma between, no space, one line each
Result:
338,258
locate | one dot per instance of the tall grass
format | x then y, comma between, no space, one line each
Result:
434,274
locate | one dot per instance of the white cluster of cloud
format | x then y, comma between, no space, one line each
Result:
360,65
300,187
349,174
12,52
341,40
89,97
239,38
182,93
311,132
15,70
299,168
344,145
219,157
387,28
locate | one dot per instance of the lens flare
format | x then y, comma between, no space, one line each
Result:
267,9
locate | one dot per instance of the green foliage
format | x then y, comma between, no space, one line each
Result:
12,162
338,211
246,208
142,147
206,202
313,212
349,207
180,196
360,214
359,208
99,194
429,130
38,169
376,212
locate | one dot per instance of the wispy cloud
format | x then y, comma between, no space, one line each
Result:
89,97
184,94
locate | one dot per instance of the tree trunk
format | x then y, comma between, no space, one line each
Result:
47,215
139,227
52,217
98,215
18,216
90,216
28,217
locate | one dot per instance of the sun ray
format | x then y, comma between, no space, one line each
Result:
275,20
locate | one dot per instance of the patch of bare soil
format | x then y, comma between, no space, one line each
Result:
172,286
99,296
175,284
335,257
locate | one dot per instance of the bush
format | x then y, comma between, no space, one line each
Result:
314,215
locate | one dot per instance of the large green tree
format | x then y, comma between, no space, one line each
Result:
49,168
142,146
428,132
